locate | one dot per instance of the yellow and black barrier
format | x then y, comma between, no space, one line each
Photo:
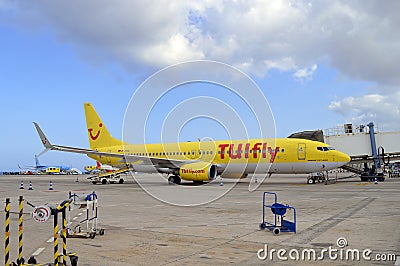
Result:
64,236
55,238
40,214
61,208
20,260
7,234
20,229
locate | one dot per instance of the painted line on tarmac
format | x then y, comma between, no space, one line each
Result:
37,252
185,226
145,207
312,232
50,240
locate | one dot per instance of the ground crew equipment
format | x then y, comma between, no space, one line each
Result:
279,223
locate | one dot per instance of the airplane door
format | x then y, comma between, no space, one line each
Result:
301,151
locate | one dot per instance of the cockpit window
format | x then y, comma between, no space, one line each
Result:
325,148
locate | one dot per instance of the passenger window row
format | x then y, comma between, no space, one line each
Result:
170,153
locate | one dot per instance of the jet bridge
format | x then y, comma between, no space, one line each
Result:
370,150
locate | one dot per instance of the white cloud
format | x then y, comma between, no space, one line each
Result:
305,73
176,48
371,107
360,39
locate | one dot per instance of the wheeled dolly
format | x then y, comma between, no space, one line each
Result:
90,203
277,221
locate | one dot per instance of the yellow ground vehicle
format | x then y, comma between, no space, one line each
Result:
90,168
53,170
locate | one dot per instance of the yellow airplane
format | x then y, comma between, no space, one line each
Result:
204,160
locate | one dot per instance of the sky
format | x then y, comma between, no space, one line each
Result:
318,63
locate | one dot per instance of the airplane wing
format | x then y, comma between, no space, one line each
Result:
26,167
125,158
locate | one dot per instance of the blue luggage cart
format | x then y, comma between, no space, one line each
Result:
278,223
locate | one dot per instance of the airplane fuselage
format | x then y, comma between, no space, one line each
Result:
282,155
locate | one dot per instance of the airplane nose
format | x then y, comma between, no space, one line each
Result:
343,157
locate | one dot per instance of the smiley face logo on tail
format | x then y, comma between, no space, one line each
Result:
97,134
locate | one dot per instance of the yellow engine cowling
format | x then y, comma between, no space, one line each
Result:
199,171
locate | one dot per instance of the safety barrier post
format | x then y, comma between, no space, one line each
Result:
61,207
40,214
55,237
7,234
64,236
20,229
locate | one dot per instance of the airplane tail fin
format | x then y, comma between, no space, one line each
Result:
98,134
37,161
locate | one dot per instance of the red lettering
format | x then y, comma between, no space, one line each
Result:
222,152
246,150
264,150
272,153
238,155
255,149
191,171
258,147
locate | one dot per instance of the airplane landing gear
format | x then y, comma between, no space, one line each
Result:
317,177
174,179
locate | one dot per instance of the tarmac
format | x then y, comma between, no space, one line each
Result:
143,230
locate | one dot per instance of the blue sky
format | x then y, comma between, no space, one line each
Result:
314,73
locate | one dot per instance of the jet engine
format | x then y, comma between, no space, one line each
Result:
199,171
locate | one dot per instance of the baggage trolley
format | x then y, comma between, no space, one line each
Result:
278,222
90,203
